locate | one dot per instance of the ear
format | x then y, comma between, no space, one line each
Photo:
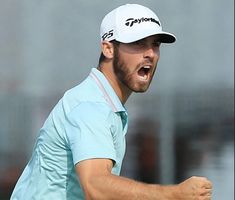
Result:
107,49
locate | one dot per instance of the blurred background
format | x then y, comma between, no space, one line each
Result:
182,126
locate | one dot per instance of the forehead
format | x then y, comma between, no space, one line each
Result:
140,45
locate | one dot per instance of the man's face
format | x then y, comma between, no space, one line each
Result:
135,63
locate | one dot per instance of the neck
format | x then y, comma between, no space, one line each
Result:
121,90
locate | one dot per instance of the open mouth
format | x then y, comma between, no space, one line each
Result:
144,72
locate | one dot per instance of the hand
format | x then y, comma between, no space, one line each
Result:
196,188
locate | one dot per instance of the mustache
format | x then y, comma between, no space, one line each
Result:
147,61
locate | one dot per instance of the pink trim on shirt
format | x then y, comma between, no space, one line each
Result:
108,98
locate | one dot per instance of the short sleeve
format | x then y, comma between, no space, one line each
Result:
88,128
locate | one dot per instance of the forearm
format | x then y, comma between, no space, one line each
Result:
98,183
116,187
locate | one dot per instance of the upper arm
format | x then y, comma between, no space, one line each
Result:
90,173
88,129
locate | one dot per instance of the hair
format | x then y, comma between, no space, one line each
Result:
102,56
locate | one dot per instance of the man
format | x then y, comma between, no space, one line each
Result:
80,149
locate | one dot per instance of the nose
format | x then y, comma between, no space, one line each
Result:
151,52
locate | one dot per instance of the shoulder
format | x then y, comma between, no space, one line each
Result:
82,98
90,112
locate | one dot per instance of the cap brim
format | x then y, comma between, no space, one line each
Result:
166,37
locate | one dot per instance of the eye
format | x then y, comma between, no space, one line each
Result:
156,44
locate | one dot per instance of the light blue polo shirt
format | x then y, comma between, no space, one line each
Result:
88,122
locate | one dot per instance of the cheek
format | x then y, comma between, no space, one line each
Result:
157,58
131,60
158,55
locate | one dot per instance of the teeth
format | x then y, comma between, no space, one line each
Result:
147,67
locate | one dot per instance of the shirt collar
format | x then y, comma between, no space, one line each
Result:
107,90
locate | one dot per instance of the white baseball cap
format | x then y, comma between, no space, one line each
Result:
131,22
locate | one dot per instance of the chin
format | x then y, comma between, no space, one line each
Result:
140,89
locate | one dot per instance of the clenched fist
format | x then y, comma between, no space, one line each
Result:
196,188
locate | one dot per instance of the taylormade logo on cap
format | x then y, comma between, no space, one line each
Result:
131,21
